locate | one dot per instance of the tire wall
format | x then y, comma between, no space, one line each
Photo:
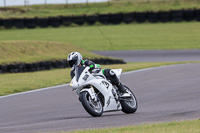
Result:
19,23
197,15
79,20
104,18
54,21
7,23
66,20
30,23
128,17
91,19
42,22
47,65
114,18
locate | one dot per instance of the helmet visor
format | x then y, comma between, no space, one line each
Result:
73,61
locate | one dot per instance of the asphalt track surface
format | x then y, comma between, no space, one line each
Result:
154,55
164,94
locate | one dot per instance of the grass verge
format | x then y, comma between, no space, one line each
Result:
93,8
35,51
14,83
170,127
115,37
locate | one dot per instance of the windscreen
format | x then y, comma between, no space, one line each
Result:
78,72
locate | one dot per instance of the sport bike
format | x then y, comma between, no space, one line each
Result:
98,95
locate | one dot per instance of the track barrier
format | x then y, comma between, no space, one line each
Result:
47,65
140,17
66,20
127,18
177,15
79,20
30,22
188,15
91,19
110,18
115,18
54,21
164,16
152,17
19,23
104,18
197,15
42,22
7,23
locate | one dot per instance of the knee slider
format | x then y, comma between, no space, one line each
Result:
111,73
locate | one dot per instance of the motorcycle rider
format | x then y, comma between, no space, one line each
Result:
75,60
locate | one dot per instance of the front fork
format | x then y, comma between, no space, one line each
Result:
91,92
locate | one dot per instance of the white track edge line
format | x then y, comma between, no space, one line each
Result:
48,88
42,89
152,68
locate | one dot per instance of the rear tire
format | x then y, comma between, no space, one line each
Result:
127,106
94,108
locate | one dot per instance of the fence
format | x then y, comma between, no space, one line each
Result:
5,3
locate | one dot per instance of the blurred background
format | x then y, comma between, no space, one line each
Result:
5,3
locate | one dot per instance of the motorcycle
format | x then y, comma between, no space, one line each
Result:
98,95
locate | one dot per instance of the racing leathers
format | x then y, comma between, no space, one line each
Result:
108,73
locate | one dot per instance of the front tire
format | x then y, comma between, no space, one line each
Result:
94,108
129,105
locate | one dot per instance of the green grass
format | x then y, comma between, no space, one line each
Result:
20,82
170,127
111,7
115,37
34,51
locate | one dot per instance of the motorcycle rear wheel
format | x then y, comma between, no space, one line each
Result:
94,108
129,105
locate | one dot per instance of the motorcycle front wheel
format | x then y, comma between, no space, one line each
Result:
93,107
129,105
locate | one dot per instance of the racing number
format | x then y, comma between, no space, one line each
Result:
85,77
106,84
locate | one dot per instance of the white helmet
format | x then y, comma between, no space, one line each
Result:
74,59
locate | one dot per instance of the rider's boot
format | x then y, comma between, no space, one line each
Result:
123,91
115,81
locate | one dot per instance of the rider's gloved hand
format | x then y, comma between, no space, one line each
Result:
96,70
91,68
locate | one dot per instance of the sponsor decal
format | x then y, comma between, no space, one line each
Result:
118,106
108,102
